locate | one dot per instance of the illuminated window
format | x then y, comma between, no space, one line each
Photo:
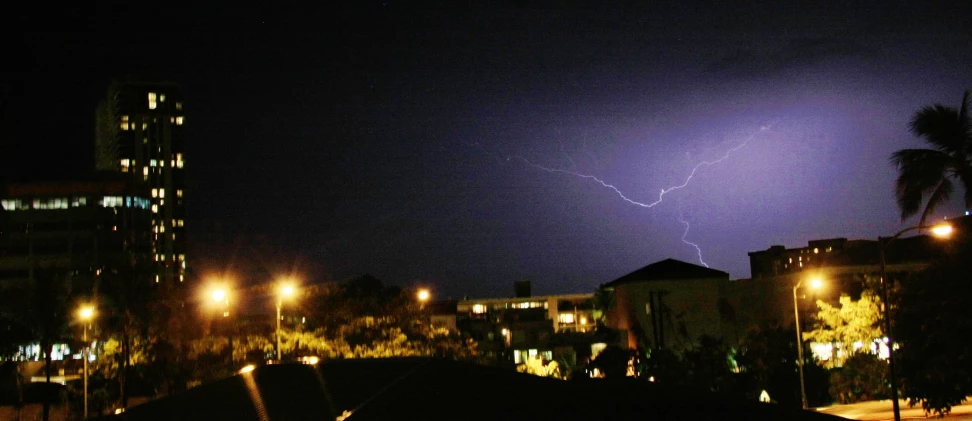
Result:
816,250
153,163
155,209
171,119
179,120
478,309
178,105
161,192
151,100
156,278
178,193
144,140
155,192
181,222
14,204
161,97
145,170
144,126
112,201
124,122
79,201
566,318
182,257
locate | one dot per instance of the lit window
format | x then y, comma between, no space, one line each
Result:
144,126
144,140
153,163
181,222
155,209
171,119
161,97
816,250
478,309
179,120
161,192
79,201
156,278
124,162
124,122
182,257
112,201
155,192
566,318
151,100
178,105
178,193
144,170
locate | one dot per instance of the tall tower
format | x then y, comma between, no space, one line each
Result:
140,130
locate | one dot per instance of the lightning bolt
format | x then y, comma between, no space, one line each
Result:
685,234
661,195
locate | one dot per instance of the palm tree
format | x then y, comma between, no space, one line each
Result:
929,175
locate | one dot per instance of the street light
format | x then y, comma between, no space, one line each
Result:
942,230
220,298
423,296
286,290
815,283
86,313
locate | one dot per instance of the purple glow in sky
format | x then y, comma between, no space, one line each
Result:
465,149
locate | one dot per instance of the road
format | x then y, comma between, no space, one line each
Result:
881,410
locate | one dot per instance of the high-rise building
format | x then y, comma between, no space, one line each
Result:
140,130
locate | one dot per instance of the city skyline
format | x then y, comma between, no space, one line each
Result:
439,150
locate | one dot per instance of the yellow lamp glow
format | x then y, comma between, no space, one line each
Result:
942,230
423,295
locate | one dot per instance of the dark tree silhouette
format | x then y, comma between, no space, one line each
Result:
929,175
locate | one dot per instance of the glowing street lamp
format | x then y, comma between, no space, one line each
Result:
814,284
423,295
85,314
943,230
286,291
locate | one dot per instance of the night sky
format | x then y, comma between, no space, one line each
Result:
414,141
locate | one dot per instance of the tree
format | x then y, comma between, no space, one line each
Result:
928,175
933,327
853,322
863,377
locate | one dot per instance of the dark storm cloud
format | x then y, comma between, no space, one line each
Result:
796,54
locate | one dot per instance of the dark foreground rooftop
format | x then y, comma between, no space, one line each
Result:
429,389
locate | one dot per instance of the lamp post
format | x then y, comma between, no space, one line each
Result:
285,291
941,231
221,299
86,313
816,283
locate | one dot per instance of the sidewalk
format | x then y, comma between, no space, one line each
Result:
882,410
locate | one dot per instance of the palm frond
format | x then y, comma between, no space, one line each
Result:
920,173
940,195
940,126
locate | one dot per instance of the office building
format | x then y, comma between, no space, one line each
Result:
140,132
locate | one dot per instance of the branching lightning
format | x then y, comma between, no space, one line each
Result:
661,194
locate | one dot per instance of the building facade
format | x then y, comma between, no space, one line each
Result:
519,328
140,131
669,304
